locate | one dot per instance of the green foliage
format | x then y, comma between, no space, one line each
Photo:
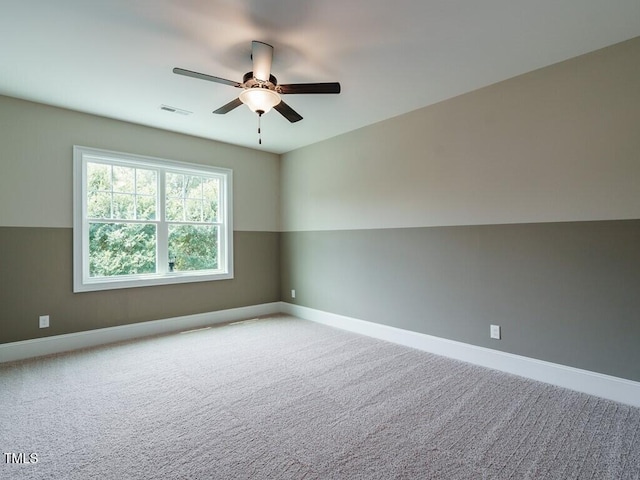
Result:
121,249
191,198
122,193
127,193
193,247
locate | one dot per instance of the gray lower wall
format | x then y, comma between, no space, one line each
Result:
567,293
37,280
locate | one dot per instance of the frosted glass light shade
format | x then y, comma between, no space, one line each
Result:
259,99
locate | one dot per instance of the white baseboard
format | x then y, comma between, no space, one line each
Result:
598,384
73,341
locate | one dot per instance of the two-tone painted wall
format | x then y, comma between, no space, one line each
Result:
517,205
36,143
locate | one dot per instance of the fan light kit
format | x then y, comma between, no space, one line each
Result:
261,91
259,100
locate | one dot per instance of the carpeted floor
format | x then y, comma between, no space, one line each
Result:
284,398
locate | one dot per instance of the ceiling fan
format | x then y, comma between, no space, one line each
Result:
260,90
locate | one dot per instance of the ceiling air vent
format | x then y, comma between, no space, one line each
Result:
180,111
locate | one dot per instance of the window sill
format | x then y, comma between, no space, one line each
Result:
93,284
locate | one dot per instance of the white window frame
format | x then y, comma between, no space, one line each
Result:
82,282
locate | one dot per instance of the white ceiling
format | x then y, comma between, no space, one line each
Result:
115,57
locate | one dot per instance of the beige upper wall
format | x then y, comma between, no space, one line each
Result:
36,143
557,144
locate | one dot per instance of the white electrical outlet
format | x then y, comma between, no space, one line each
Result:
293,294
495,332
44,321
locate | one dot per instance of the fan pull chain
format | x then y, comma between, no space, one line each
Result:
259,129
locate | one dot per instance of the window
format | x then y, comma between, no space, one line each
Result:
141,221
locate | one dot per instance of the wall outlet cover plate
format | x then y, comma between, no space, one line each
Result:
495,332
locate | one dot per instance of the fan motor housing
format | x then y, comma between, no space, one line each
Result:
249,81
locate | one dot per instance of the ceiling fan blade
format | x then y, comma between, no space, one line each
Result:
330,87
202,76
229,106
287,112
262,56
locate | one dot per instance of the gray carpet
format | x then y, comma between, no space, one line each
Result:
285,398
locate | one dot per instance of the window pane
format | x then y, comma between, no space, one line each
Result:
193,210
146,182
98,177
123,206
174,210
193,247
121,249
210,213
210,205
146,207
192,186
99,205
123,179
175,183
